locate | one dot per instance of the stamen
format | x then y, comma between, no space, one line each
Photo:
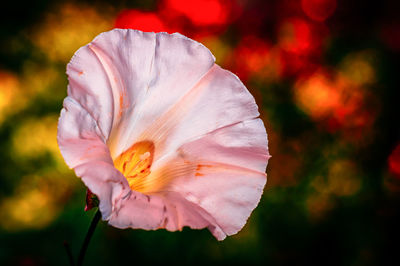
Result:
135,163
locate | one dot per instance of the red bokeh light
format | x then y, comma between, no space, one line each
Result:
318,10
294,35
390,34
255,57
144,21
336,104
202,12
296,64
394,161
301,44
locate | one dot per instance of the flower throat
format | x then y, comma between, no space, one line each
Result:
135,163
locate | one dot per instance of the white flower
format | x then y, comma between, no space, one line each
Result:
162,135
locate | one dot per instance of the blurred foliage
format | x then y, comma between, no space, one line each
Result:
324,75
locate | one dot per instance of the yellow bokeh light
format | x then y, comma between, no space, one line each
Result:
318,204
34,137
17,91
68,28
342,179
35,203
219,48
31,209
38,79
359,67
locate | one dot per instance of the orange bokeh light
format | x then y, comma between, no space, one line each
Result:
318,10
317,95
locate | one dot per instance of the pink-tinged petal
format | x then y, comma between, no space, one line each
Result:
79,137
83,148
167,210
218,100
181,212
123,72
139,211
201,194
107,183
242,144
229,177
222,174
226,193
109,75
178,65
215,181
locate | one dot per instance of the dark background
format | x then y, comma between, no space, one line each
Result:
325,76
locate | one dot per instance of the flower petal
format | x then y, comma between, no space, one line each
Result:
229,178
79,136
108,76
83,149
218,100
123,72
226,193
167,210
243,144
178,65
107,183
215,181
139,211
182,212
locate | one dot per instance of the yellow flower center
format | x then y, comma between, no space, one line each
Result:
135,163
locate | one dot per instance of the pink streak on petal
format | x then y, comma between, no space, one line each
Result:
118,88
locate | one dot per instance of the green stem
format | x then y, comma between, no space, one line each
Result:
89,234
69,253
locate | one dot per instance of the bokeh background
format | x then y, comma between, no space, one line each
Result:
325,74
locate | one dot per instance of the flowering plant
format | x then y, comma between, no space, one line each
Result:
163,136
